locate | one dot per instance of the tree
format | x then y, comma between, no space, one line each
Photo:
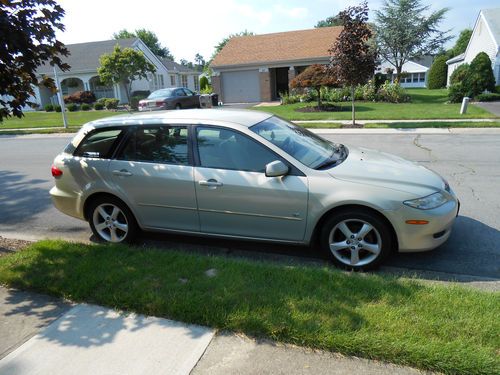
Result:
200,61
459,74
438,73
461,43
403,31
123,66
353,58
330,21
149,38
224,41
29,40
204,84
480,75
315,76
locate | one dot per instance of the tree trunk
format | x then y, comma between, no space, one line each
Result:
127,91
319,98
353,110
399,69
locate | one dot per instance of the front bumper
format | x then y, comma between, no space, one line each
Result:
415,238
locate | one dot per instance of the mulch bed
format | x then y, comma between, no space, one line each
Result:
323,108
9,245
351,126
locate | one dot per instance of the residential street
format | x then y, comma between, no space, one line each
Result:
470,162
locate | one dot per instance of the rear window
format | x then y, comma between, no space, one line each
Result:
99,143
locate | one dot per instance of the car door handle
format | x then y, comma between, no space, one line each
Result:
210,183
122,172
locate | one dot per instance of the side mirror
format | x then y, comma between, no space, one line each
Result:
276,169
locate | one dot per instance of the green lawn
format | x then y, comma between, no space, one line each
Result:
443,328
426,104
53,119
408,125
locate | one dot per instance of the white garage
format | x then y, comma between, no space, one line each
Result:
241,86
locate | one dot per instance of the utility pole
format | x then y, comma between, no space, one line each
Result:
60,98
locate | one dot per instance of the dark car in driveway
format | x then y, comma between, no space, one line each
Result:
170,98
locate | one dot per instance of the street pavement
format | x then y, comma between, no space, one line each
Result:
469,160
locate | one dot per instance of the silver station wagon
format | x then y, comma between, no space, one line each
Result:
249,175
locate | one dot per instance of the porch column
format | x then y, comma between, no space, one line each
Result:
265,84
86,85
291,75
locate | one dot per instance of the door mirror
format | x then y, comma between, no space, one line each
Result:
276,169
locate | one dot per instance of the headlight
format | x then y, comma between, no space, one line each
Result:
429,202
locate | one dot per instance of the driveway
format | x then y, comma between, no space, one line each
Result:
493,107
471,163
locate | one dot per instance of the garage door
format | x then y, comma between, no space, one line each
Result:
241,87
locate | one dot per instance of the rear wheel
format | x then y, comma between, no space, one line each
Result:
112,221
178,106
356,239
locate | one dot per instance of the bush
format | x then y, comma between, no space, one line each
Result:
85,107
497,89
492,97
379,79
456,92
134,101
49,108
111,103
204,84
287,98
102,101
98,106
459,74
480,77
80,97
72,107
358,93
393,93
57,108
309,95
370,91
438,74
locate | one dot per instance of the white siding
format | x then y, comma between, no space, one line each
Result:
481,41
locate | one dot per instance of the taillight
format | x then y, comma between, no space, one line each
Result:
56,172
159,104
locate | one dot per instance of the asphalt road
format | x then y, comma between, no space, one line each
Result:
470,162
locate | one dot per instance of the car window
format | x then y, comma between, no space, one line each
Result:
227,149
180,92
188,92
165,93
98,144
161,144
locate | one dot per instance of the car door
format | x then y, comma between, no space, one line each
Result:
194,101
154,170
181,98
234,195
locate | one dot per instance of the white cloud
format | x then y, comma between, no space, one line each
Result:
293,12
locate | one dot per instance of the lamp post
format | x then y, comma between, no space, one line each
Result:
60,98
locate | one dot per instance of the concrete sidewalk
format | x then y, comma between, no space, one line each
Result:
43,335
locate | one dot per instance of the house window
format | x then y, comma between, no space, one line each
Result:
172,80
421,77
414,77
196,83
158,82
184,81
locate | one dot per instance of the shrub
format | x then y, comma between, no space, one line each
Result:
438,73
309,95
57,108
497,89
492,97
456,92
134,101
102,101
206,90
204,84
370,91
72,107
287,98
85,107
98,106
480,76
379,79
393,93
111,103
459,74
80,97
49,108
358,93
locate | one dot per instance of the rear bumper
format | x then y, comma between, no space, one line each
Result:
68,204
415,238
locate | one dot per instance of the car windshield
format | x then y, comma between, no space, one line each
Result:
160,94
305,146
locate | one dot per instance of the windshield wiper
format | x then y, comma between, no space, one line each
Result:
339,149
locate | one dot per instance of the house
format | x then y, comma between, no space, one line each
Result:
84,61
415,72
485,38
257,68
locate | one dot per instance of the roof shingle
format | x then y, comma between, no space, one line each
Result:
277,47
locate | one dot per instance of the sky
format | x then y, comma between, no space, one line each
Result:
193,26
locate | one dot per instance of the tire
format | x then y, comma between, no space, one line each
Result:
178,106
356,239
112,221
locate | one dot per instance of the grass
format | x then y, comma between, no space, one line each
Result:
53,119
408,125
449,329
425,104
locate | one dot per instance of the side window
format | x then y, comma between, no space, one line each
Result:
188,92
99,144
180,92
227,149
161,144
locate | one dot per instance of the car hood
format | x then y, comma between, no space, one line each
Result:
382,169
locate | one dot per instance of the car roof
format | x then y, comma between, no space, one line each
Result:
242,117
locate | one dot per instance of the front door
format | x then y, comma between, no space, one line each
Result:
154,170
234,195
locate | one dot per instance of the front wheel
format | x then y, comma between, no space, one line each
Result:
112,221
356,239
